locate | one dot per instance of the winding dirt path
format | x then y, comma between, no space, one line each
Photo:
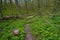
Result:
27,29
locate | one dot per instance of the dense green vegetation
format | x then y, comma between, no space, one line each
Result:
45,25
7,27
45,28
42,28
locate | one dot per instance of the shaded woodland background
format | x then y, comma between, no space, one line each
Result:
24,7
42,18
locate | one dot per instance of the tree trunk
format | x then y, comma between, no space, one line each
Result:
11,7
32,5
5,1
5,6
56,5
26,6
1,8
38,1
17,6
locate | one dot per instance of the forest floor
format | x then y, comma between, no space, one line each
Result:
31,28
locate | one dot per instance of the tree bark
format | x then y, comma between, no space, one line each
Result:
17,6
56,5
38,1
5,1
11,7
26,5
1,8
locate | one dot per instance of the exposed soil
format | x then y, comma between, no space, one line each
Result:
27,30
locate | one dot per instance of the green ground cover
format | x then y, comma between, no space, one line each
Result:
41,28
45,28
8,26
